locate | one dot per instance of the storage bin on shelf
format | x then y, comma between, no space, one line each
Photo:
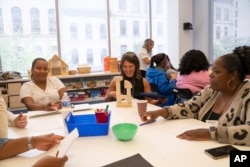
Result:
83,70
87,125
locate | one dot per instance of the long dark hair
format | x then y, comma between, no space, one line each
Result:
132,58
157,59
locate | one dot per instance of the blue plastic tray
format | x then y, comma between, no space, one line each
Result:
87,125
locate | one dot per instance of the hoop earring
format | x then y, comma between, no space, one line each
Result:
228,85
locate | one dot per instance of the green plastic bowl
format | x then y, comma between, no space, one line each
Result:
124,131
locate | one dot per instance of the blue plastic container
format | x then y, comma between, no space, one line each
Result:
87,125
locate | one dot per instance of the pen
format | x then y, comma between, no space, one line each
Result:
145,123
57,154
107,107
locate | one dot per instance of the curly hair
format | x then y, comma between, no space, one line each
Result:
132,58
193,60
238,61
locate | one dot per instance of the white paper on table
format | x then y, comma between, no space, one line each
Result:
39,113
66,142
82,107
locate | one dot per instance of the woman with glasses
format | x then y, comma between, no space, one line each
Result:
156,74
42,92
130,71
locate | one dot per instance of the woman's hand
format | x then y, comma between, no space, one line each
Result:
150,116
45,142
54,106
195,135
49,161
21,121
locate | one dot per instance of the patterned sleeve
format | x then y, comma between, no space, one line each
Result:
192,107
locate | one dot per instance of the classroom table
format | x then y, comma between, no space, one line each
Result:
155,142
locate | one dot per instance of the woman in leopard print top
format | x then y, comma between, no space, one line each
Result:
226,100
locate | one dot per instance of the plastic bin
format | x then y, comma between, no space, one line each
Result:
87,125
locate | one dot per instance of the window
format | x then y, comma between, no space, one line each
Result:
90,56
37,50
159,7
17,21
123,28
122,4
87,35
123,49
225,32
217,32
218,13
226,14
103,31
104,53
136,28
88,31
234,30
35,21
74,59
73,31
52,21
1,22
135,6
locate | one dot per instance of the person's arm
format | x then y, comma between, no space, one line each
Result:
32,106
17,146
146,60
49,161
153,115
111,92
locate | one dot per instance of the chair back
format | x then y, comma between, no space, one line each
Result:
183,94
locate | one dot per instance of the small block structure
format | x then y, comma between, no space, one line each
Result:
57,66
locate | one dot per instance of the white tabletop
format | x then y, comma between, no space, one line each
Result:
156,142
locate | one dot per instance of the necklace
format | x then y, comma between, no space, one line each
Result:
226,103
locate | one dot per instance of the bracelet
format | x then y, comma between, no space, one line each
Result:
30,147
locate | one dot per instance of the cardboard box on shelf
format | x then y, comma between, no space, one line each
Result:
15,102
14,88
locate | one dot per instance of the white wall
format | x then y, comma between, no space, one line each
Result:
202,34
196,12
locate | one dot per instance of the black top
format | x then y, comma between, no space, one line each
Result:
210,115
137,87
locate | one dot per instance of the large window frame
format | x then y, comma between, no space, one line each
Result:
42,30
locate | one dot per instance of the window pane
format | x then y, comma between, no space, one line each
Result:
20,44
159,26
129,25
233,29
1,22
83,28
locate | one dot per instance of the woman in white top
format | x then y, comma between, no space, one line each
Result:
42,92
144,55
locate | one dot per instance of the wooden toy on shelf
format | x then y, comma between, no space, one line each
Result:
57,66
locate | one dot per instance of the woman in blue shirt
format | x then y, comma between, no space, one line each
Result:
156,74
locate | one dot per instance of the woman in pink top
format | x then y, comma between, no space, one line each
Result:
193,71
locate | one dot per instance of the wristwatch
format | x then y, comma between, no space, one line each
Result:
30,147
212,130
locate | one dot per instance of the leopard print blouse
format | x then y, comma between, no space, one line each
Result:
233,125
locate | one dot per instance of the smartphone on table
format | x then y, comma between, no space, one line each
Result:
220,152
